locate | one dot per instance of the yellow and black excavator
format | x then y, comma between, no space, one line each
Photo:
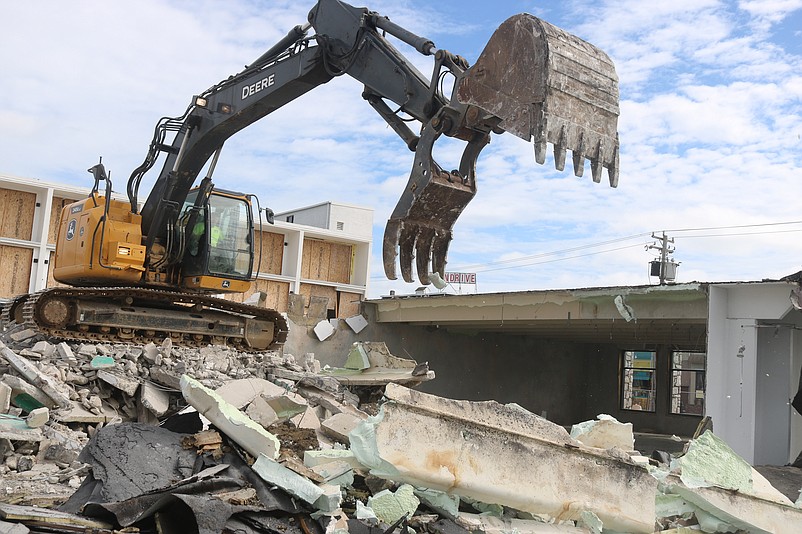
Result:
141,275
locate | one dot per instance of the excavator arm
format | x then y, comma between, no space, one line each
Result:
532,79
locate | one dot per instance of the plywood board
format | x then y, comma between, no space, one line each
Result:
348,304
55,215
309,290
315,260
16,217
340,263
329,262
272,253
15,275
277,294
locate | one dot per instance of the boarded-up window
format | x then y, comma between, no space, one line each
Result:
15,275
348,304
277,294
330,262
272,253
309,290
16,217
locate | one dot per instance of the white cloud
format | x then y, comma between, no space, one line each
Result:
710,127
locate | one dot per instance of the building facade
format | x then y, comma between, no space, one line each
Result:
292,259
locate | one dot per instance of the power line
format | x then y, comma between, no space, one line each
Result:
519,262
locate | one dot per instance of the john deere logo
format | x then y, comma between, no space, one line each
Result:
71,229
226,283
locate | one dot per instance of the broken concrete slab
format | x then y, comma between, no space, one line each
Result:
154,398
494,453
78,414
357,323
13,528
44,348
286,406
236,425
166,378
5,397
320,457
261,412
16,429
337,473
38,418
308,419
22,335
64,351
339,425
489,524
124,383
273,472
741,512
323,330
34,376
391,506
25,395
605,432
370,363
52,520
242,392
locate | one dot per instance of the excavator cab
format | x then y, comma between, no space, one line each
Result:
218,232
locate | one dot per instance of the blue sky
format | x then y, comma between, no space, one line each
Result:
710,129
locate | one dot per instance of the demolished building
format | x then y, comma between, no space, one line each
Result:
267,443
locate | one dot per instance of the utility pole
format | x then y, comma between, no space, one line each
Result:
665,250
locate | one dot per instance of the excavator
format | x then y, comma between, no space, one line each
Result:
131,272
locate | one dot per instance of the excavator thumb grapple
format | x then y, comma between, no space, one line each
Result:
533,80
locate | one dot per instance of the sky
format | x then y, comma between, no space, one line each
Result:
710,129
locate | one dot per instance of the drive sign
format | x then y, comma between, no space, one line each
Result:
460,278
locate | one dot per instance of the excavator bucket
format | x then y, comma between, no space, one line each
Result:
533,80
549,86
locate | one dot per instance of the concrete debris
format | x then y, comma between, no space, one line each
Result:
462,447
605,433
370,363
324,330
391,506
243,430
267,444
38,417
357,323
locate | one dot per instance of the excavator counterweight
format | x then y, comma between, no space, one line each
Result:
533,80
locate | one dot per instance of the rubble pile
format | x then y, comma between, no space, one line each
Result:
173,440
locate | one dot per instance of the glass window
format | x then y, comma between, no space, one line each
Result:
639,380
230,236
688,383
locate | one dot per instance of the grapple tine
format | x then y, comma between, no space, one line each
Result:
406,249
548,86
440,252
389,246
423,251
429,207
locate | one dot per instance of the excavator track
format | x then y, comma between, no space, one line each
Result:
139,315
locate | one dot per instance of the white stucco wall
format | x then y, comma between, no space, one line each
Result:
736,395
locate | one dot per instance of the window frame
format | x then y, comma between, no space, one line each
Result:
627,382
676,394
